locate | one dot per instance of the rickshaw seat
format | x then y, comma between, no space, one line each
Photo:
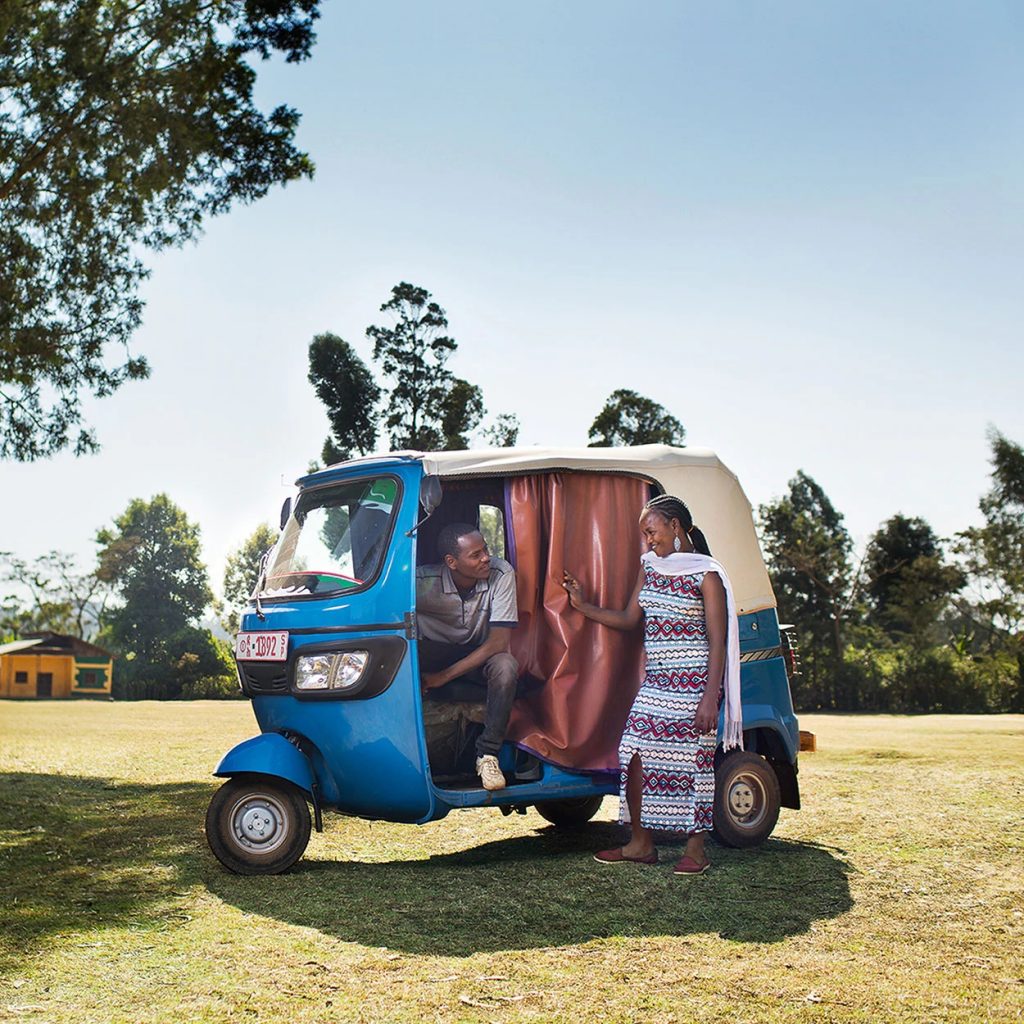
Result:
440,713
449,726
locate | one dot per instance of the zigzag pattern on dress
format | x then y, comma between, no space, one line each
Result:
705,760
645,726
679,588
669,702
665,629
659,666
677,654
678,763
693,680
664,815
666,754
658,781
683,585
703,817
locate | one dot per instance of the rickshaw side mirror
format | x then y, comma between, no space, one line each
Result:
286,511
430,493
430,498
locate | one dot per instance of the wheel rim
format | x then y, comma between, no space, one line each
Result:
747,800
260,823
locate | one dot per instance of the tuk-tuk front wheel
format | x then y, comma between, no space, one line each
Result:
257,826
567,813
747,799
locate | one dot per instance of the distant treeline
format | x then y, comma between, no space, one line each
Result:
916,623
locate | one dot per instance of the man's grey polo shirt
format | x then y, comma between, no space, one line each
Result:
442,614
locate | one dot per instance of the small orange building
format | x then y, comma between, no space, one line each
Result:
53,665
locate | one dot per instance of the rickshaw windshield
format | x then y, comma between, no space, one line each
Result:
334,540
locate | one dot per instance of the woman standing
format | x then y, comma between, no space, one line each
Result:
691,643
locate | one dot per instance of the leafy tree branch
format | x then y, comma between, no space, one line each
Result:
123,126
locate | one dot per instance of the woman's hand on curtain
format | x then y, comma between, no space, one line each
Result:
572,588
626,619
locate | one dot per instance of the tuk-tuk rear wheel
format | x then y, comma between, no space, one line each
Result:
747,799
567,813
257,826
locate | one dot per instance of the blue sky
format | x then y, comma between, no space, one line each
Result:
797,226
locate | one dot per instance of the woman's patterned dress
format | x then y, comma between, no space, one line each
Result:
678,762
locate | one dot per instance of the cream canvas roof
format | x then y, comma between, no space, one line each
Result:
697,475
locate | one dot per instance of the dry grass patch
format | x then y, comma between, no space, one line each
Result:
894,895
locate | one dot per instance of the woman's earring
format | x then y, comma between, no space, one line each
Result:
677,543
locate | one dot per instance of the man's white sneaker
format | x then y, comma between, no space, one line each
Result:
489,772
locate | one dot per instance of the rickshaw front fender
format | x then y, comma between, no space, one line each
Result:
268,754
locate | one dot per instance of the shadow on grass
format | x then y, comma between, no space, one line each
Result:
77,854
545,889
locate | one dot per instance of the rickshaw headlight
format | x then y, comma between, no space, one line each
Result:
348,669
338,671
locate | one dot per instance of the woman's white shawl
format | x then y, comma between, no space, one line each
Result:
686,564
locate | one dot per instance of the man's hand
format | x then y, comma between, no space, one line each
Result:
431,680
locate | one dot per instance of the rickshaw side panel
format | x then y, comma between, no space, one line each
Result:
368,755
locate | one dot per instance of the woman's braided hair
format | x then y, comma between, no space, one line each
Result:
669,507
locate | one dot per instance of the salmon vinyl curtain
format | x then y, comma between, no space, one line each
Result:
586,524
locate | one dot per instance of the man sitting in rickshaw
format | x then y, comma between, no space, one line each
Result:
465,613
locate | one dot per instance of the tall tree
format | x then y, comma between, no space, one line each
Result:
808,550
908,582
994,553
628,418
151,559
413,353
241,570
347,388
461,412
62,597
123,125
15,618
503,432
427,407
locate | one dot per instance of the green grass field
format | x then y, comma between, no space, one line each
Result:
894,895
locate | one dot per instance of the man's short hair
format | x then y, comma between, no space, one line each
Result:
449,537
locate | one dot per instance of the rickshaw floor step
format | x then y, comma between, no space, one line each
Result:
464,782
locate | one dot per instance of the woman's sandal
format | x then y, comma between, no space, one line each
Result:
618,857
688,866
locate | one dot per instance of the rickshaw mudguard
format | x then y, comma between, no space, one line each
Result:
268,754
765,717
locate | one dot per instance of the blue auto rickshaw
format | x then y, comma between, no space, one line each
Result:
327,650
